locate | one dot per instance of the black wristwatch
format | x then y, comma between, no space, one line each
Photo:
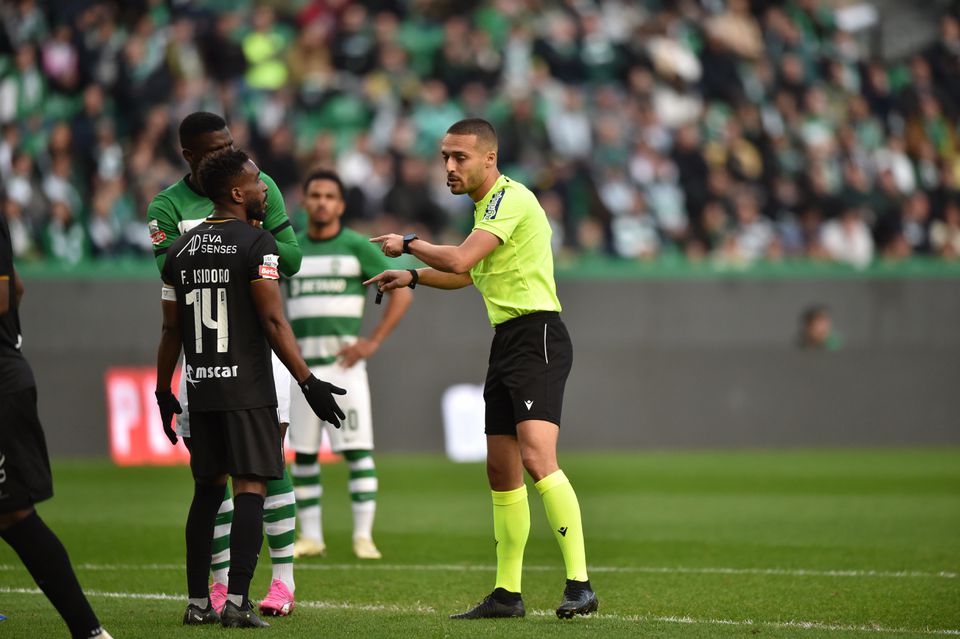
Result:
409,237
416,278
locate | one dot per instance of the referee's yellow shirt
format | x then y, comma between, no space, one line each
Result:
516,278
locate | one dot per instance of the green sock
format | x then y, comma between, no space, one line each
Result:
363,491
280,518
220,558
308,488
563,513
511,526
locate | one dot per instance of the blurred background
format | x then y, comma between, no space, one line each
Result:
755,203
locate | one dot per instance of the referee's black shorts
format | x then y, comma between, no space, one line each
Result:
236,442
24,466
530,359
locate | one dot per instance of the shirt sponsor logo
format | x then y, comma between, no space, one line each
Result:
195,375
301,286
209,243
494,205
157,236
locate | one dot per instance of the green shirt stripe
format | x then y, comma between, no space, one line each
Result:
326,299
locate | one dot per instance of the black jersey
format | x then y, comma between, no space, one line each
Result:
15,373
210,270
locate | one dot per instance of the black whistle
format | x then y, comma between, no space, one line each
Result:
379,297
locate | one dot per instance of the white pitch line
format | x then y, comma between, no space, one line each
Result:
163,596
419,608
661,570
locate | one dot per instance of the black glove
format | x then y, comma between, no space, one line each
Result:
319,395
168,406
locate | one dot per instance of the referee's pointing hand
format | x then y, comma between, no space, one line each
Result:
389,280
391,244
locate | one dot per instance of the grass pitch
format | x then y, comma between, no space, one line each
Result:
804,544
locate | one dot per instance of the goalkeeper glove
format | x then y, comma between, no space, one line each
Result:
168,406
319,395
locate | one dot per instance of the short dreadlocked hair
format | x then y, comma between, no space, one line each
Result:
219,171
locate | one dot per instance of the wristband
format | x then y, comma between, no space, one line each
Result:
416,278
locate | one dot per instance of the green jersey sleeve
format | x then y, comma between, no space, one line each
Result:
162,224
277,222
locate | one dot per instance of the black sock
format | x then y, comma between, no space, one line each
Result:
199,533
246,537
573,584
45,557
505,596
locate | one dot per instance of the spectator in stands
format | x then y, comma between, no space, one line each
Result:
697,105
847,239
945,233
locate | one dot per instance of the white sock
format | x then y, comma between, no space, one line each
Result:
284,572
236,599
281,532
363,513
309,514
199,602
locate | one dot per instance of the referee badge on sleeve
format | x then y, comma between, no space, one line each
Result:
494,205
269,269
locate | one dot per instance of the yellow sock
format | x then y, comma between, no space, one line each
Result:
511,526
563,513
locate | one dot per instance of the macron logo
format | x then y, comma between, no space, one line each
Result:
528,403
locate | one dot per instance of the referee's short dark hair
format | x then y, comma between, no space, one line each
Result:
218,172
324,174
475,126
198,123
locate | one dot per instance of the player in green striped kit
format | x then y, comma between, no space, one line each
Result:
174,211
325,308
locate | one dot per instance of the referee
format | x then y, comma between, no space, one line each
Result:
509,259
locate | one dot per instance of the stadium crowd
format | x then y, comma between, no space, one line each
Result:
730,130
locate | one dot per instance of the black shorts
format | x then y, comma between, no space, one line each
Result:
24,466
530,359
237,442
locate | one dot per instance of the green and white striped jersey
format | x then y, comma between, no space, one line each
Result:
326,297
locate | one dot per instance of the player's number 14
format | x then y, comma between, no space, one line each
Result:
200,299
